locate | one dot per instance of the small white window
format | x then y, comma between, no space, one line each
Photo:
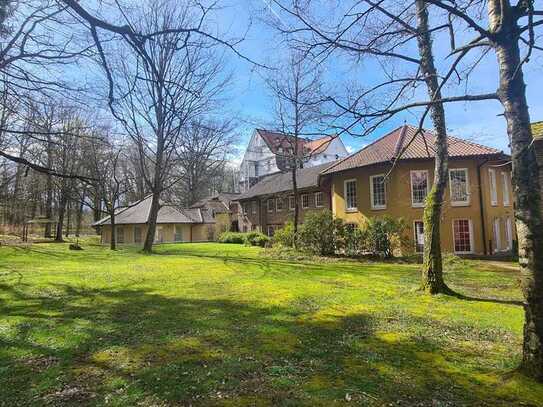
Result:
254,205
245,208
305,201
120,234
459,186
270,204
463,236
418,227
493,189
505,190
509,233
291,203
350,195
378,192
279,204
271,230
497,235
178,237
419,187
319,196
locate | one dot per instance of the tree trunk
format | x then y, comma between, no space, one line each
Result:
60,220
296,204
151,223
79,219
49,191
68,218
525,179
432,269
113,237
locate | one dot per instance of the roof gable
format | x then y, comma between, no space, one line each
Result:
138,213
404,142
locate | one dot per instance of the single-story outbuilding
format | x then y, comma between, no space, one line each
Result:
174,224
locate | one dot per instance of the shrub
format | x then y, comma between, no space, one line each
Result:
354,240
285,236
320,233
256,239
232,237
384,235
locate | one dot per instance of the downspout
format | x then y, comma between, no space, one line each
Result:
481,205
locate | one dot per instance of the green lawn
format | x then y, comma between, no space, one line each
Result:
210,324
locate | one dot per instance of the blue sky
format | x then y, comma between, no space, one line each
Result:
250,101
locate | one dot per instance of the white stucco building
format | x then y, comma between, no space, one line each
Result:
268,152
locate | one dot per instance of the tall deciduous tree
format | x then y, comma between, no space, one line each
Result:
296,88
175,78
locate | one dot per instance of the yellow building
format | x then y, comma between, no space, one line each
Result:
393,175
174,224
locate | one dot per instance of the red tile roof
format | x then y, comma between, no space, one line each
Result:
274,140
410,145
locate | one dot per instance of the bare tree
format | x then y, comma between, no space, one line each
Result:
202,155
296,87
156,95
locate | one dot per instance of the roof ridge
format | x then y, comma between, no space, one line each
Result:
362,149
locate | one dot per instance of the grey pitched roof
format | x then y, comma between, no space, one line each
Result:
282,181
138,213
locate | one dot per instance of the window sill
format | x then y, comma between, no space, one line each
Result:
378,208
417,205
460,204
351,210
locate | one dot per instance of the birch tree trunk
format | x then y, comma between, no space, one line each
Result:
525,179
432,269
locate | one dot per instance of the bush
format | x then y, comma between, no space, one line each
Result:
285,236
232,237
256,239
354,240
384,235
320,233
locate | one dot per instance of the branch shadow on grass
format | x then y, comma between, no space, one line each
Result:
126,346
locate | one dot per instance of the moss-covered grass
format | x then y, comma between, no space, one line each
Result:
211,324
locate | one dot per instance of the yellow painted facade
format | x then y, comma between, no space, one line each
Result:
165,233
496,215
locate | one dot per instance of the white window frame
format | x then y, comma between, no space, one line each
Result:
509,233
468,194
321,194
470,225
496,234
415,234
270,228
254,205
302,199
292,201
347,207
419,204
277,201
505,189
492,182
272,201
372,201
